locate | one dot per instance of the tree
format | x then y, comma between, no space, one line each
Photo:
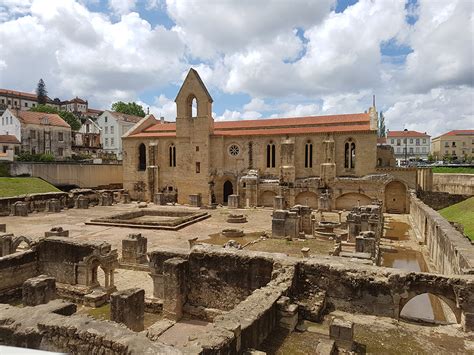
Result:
130,108
381,128
41,92
66,116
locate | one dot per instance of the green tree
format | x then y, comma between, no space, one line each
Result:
381,128
130,108
41,92
66,116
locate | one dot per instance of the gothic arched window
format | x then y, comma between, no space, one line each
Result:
349,154
308,155
271,153
172,153
142,157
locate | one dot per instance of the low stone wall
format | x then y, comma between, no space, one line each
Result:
14,270
461,184
449,250
439,200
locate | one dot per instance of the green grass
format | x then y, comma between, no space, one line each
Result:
14,186
453,170
463,213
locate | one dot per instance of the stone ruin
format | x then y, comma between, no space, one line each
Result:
195,200
82,202
236,218
20,209
128,307
53,205
56,232
38,290
293,223
106,199
233,201
134,249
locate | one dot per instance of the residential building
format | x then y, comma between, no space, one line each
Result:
456,144
87,139
113,126
409,144
38,132
326,162
9,146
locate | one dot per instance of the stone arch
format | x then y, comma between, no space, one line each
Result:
451,303
307,198
228,189
267,198
17,241
395,197
349,154
352,199
192,106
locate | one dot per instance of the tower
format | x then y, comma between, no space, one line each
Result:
194,127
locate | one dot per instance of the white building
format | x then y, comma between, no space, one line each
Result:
113,126
415,144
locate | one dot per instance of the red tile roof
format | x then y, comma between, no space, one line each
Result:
406,134
458,132
22,95
29,117
7,138
381,140
277,126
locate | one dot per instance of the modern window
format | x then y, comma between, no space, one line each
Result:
141,157
26,104
398,150
106,142
423,149
411,140
111,129
106,129
424,140
398,141
271,153
105,119
417,141
112,142
411,150
446,144
172,155
392,141
417,149
349,154
308,155
60,136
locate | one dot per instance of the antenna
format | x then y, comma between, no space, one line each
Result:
373,100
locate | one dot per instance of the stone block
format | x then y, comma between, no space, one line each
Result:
57,232
134,249
279,203
96,298
159,199
233,201
195,200
53,205
19,209
126,198
82,202
342,332
128,307
174,284
3,228
38,290
467,321
106,199
289,322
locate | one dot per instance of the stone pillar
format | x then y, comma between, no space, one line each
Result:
106,199
174,272
82,202
192,242
112,281
195,200
53,205
292,225
134,249
57,232
288,313
233,201
6,244
342,332
3,227
126,197
159,199
278,223
128,307
39,290
305,213
279,203
305,252
20,209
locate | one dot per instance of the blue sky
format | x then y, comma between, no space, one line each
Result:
271,58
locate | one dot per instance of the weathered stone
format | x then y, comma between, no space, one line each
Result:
236,218
106,199
82,202
342,332
53,205
39,290
195,200
128,307
126,198
3,228
159,199
134,249
174,272
279,203
233,201
56,231
142,205
20,209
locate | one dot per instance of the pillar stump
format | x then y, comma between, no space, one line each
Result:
128,307
233,201
39,290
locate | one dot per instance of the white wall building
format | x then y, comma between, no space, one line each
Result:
113,126
416,144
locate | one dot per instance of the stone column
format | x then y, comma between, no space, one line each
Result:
159,199
279,203
112,278
20,209
174,272
128,307
3,228
278,223
233,201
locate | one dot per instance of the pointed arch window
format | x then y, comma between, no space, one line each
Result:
141,157
192,106
349,154
271,154
308,155
172,155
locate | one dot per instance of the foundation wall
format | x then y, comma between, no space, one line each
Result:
449,250
461,184
14,270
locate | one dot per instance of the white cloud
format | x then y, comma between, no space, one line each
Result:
122,7
256,104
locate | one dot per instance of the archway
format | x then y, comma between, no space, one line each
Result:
307,198
267,199
21,243
228,190
395,197
352,199
430,308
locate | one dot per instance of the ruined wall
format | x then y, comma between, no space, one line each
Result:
14,270
462,184
449,250
438,200
36,202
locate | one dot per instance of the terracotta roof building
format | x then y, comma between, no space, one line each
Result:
409,144
456,144
320,161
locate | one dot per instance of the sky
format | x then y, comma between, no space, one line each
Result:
259,59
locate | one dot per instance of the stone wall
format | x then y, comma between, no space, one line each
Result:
14,270
461,184
438,200
449,250
61,174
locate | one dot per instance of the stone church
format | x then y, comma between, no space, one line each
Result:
328,162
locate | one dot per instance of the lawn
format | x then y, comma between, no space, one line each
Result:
463,213
14,186
453,170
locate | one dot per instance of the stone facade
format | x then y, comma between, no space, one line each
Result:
296,158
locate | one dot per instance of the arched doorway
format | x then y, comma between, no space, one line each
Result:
430,308
267,199
352,199
307,198
395,197
228,190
